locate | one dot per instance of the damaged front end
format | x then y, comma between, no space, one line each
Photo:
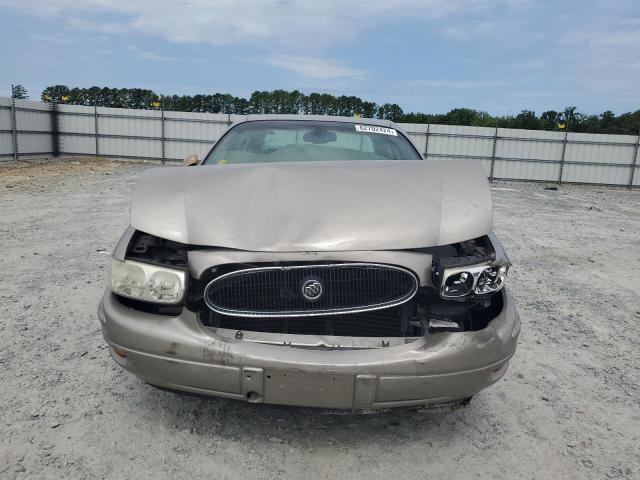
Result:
454,288
236,324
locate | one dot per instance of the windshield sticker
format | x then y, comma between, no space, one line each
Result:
376,129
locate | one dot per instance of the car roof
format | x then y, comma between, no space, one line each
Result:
321,118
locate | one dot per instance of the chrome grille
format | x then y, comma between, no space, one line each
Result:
305,290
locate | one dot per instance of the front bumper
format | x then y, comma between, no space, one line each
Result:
180,353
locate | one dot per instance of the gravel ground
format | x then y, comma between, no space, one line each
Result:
567,408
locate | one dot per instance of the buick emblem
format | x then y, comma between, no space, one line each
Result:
312,289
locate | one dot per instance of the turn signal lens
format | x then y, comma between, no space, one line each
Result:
142,281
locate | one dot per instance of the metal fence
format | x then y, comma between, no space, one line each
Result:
30,128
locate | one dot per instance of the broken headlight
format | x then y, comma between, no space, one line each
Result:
142,281
478,279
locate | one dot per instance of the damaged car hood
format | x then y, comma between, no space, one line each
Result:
316,206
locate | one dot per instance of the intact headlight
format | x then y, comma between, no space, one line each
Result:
478,279
491,279
151,283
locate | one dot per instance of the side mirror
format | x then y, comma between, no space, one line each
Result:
190,160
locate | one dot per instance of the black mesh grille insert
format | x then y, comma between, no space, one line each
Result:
377,323
310,290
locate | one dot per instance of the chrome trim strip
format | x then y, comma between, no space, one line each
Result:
314,341
315,313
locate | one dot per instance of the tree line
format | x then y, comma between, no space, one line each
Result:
296,102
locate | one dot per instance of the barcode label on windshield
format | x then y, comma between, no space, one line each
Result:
376,129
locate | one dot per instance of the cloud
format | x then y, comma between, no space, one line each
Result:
539,94
51,39
314,67
144,55
156,58
602,59
137,52
606,36
97,26
294,25
465,32
293,35
443,84
534,64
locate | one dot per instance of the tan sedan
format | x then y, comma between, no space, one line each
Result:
313,261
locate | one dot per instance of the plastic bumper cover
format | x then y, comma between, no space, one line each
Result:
180,353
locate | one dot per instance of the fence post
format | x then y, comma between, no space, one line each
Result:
634,163
55,130
162,132
95,126
564,150
493,154
14,127
426,143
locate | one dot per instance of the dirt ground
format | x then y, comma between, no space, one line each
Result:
569,407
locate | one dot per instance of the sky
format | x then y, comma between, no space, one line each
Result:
499,56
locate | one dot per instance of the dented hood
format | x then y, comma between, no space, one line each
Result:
316,206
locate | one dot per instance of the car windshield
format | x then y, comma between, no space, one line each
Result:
310,140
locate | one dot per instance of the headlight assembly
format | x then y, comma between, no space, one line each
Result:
491,279
142,281
478,279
